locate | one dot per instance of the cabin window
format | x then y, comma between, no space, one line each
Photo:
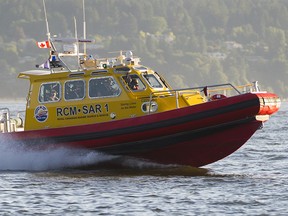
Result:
140,68
152,81
103,87
74,90
134,82
50,92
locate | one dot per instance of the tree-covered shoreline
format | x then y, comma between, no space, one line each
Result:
192,43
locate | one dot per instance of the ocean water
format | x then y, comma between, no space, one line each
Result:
252,181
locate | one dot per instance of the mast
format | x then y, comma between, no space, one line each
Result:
84,26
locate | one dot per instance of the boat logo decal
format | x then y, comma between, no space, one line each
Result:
41,113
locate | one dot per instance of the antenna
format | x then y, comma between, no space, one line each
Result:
84,26
77,42
46,20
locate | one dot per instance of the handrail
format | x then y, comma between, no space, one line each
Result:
198,88
5,119
205,89
10,123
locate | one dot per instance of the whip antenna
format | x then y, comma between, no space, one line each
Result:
84,26
46,20
77,41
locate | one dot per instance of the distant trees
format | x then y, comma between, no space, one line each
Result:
276,42
177,38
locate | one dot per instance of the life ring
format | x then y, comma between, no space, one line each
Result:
217,97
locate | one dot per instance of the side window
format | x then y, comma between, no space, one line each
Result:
49,92
153,81
134,82
74,90
103,87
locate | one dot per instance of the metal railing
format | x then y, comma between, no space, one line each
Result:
8,124
5,120
226,89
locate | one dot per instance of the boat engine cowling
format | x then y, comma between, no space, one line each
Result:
17,121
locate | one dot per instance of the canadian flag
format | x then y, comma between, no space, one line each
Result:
44,44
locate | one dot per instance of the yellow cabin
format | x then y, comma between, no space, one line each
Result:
97,91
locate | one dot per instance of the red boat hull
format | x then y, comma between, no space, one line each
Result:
196,135
205,147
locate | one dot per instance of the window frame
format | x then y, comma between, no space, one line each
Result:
133,76
76,98
59,92
156,78
118,90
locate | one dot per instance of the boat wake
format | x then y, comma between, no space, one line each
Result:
15,157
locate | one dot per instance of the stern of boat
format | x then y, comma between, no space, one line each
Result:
9,123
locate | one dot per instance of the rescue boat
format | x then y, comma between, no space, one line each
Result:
118,106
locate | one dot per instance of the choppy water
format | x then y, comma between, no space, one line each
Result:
252,181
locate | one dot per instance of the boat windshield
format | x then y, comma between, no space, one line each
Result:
134,82
153,81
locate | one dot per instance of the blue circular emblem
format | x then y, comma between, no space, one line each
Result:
41,113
